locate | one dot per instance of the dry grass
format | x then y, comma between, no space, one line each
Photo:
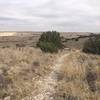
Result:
74,85
20,69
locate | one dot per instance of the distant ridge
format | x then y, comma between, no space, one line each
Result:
19,33
30,33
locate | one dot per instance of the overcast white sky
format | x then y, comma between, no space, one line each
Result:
42,15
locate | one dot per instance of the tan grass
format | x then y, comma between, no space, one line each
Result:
74,70
23,67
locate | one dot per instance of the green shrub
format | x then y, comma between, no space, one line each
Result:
48,47
77,39
92,45
50,42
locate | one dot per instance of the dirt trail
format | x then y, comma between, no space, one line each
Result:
48,84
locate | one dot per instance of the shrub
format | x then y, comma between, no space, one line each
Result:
48,47
91,79
36,63
50,42
77,39
92,45
20,45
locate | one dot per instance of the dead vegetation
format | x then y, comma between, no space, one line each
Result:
20,69
81,78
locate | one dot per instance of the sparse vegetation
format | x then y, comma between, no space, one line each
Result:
92,45
50,42
74,81
23,70
20,69
80,78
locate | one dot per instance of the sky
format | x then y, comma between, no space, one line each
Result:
44,15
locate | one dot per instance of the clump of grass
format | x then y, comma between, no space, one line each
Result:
36,63
91,78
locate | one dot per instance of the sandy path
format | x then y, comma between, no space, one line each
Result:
47,85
